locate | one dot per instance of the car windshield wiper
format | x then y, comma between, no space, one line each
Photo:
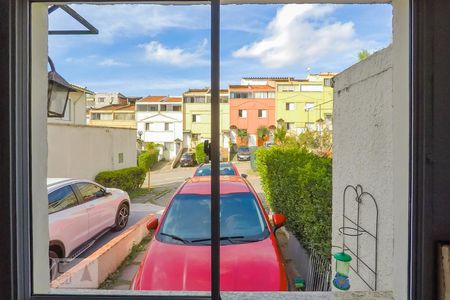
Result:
175,237
222,238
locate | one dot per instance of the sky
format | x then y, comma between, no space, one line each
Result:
164,50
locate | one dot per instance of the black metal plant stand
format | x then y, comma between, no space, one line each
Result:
355,228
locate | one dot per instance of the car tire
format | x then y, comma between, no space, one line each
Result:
122,217
52,261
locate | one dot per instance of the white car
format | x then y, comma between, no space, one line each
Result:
79,212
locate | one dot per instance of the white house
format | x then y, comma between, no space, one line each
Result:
159,119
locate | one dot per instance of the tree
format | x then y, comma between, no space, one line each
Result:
242,134
363,54
280,135
262,132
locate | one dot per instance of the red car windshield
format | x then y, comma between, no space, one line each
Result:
188,220
225,170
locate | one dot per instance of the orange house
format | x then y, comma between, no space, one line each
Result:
251,106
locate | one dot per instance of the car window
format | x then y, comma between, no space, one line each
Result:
188,219
225,170
244,149
89,191
61,199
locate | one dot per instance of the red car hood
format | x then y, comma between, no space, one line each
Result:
243,267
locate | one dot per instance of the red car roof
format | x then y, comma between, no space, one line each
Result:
202,185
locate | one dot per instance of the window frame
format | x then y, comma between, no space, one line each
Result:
429,44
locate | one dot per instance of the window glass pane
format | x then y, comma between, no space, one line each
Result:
61,199
89,191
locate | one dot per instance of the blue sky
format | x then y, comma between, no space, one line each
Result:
163,50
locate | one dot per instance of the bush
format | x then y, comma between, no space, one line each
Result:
298,184
148,159
127,179
200,155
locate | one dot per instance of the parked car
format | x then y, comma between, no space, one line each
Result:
179,255
268,144
187,160
79,212
226,169
243,153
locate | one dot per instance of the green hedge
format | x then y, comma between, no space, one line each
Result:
127,179
298,184
200,155
148,159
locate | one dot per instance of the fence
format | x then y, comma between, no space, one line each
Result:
319,273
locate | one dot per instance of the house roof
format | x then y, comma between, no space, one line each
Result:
252,88
160,99
116,107
204,91
79,88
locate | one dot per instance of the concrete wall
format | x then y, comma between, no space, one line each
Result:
363,154
84,151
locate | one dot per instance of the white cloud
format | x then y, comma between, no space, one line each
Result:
300,35
157,52
129,20
111,62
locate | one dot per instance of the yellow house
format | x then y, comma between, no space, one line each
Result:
119,116
197,117
305,103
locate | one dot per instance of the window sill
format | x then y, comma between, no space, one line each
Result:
244,295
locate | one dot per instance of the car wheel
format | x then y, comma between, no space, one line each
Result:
52,263
122,217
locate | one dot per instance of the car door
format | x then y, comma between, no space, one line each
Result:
68,219
100,207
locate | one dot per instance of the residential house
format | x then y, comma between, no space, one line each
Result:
252,106
160,120
100,100
75,113
197,119
305,103
116,115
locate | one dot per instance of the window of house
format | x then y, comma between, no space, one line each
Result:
290,125
147,126
290,106
311,88
188,99
240,95
166,126
223,99
101,99
120,158
262,113
327,81
288,88
199,99
328,118
163,107
309,106
124,116
310,125
153,107
176,107
195,118
242,113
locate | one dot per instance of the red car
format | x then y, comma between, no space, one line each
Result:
178,257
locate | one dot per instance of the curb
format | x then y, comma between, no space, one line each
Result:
94,269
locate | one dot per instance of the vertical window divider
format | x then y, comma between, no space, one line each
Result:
215,150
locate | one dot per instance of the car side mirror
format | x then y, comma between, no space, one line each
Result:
244,175
152,224
100,194
278,220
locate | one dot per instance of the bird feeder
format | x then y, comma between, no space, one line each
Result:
341,280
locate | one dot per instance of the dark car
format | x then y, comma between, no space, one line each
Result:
243,153
187,160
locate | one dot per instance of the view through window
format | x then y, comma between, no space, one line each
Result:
305,132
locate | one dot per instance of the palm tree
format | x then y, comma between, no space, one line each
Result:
262,132
280,134
363,54
242,134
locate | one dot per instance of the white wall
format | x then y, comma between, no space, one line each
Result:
363,154
84,151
